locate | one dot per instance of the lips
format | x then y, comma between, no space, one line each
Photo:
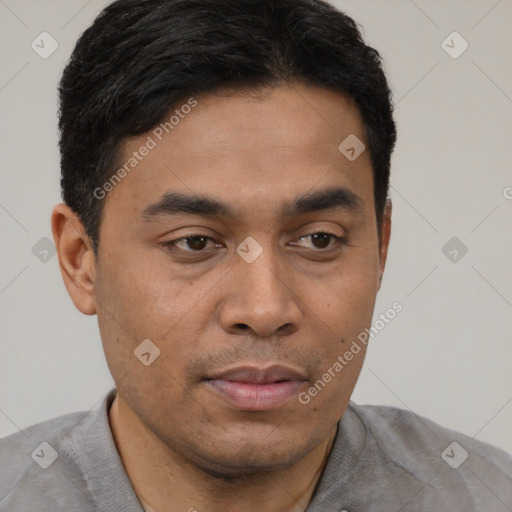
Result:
255,375
251,388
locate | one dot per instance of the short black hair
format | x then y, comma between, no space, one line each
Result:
140,58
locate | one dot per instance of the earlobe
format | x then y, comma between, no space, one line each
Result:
76,258
385,236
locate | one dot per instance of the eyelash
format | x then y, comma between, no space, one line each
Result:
172,243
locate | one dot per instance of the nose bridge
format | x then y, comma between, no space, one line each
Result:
259,296
262,279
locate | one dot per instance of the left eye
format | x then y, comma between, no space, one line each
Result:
322,240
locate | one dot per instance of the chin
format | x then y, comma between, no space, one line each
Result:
233,455
247,461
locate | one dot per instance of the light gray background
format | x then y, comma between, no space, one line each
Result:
446,356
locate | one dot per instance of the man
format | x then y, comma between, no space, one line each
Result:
225,169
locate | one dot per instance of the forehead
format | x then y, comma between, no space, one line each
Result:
288,117
256,151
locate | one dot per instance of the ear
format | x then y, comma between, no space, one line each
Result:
385,235
76,258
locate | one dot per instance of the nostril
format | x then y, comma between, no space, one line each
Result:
242,326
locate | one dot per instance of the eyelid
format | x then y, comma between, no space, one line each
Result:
341,240
318,231
172,243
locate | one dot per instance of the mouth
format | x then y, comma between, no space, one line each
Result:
250,388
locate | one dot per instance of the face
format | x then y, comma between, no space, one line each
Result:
244,245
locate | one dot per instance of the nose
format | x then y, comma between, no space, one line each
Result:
261,298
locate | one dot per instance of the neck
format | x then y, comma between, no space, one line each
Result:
169,483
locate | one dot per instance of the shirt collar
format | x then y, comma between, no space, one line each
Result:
90,446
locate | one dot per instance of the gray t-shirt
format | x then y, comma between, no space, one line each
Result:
383,459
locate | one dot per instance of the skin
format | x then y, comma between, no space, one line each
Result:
298,304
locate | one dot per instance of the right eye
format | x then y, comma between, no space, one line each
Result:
193,243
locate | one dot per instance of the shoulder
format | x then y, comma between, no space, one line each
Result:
444,460
32,462
404,432
48,465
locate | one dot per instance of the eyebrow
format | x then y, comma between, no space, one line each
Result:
173,203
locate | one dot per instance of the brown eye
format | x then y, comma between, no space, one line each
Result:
193,243
196,243
321,240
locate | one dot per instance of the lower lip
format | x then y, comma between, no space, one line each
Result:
256,397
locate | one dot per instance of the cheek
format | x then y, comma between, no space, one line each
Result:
343,311
345,298
141,299
144,294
